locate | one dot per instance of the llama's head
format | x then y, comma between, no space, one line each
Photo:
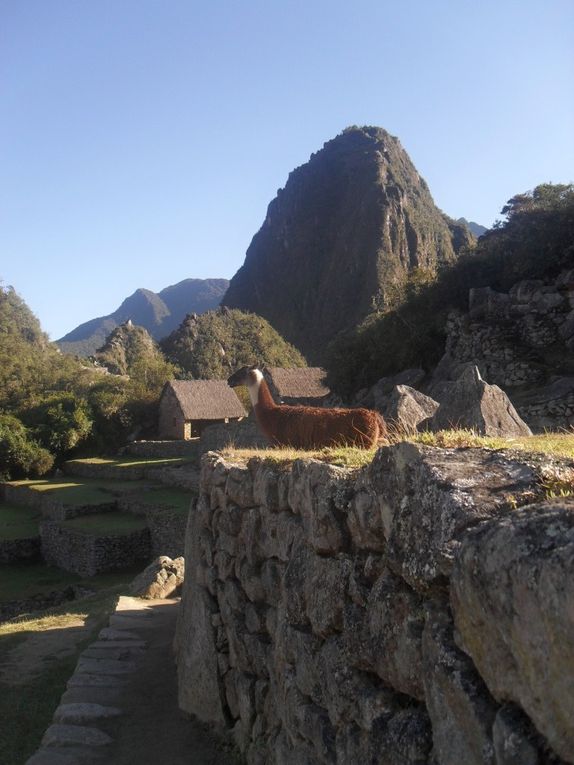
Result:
250,376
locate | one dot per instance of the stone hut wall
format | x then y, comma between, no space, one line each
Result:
410,612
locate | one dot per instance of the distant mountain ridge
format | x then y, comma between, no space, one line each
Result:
160,313
341,239
476,228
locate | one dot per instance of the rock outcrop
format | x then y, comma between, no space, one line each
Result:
472,403
348,227
522,341
161,579
407,613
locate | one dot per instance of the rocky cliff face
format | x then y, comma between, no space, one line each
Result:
404,614
523,341
349,226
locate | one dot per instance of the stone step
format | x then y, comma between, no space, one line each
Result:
74,735
92,694
113,644
109,633
78,713
126,603
83,679
131,622
112,653
105,666
70,755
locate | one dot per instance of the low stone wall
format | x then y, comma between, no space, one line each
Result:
182,448
242,435
87,554
410,612
167,531
12,550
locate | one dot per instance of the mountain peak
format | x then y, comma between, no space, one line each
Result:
159,313
340,238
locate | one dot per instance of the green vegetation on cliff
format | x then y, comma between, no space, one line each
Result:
213,345
536,241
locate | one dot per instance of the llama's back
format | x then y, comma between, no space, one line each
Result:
306,427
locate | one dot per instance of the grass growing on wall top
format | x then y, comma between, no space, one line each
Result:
18,522
78,491
552,444
103,524
127,462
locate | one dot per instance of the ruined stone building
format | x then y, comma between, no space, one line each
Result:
188,406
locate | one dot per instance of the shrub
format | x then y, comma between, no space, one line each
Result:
20,457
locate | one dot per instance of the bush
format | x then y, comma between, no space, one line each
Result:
20,457
59,421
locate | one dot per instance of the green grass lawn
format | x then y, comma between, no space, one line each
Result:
126,462
81,491
23,580
100,524
26,707
17,522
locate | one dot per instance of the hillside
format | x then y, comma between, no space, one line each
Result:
216,343
127,348
159,313
341,238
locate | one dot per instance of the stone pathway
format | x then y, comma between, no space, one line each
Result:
120,706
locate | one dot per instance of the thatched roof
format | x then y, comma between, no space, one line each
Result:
206,399
301,382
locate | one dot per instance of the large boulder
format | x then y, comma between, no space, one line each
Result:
406,408
512,592
161,579
470,402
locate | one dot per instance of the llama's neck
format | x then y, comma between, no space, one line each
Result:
259,392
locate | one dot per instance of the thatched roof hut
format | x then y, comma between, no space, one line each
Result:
298,385
187,406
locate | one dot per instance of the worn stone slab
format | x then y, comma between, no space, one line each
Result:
141,621
105,666
87,679
118,654
89,694
126,603
78,713
109,633
64,735
512,592
55,755
113,644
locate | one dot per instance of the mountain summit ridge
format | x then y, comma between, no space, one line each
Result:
349,228
159,313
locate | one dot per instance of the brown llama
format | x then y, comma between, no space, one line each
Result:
308,427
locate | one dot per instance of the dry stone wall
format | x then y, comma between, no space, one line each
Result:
88,554
410,612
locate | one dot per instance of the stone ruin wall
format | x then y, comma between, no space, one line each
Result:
88,554
507,335
410,612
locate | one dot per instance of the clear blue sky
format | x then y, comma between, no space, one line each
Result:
141,140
